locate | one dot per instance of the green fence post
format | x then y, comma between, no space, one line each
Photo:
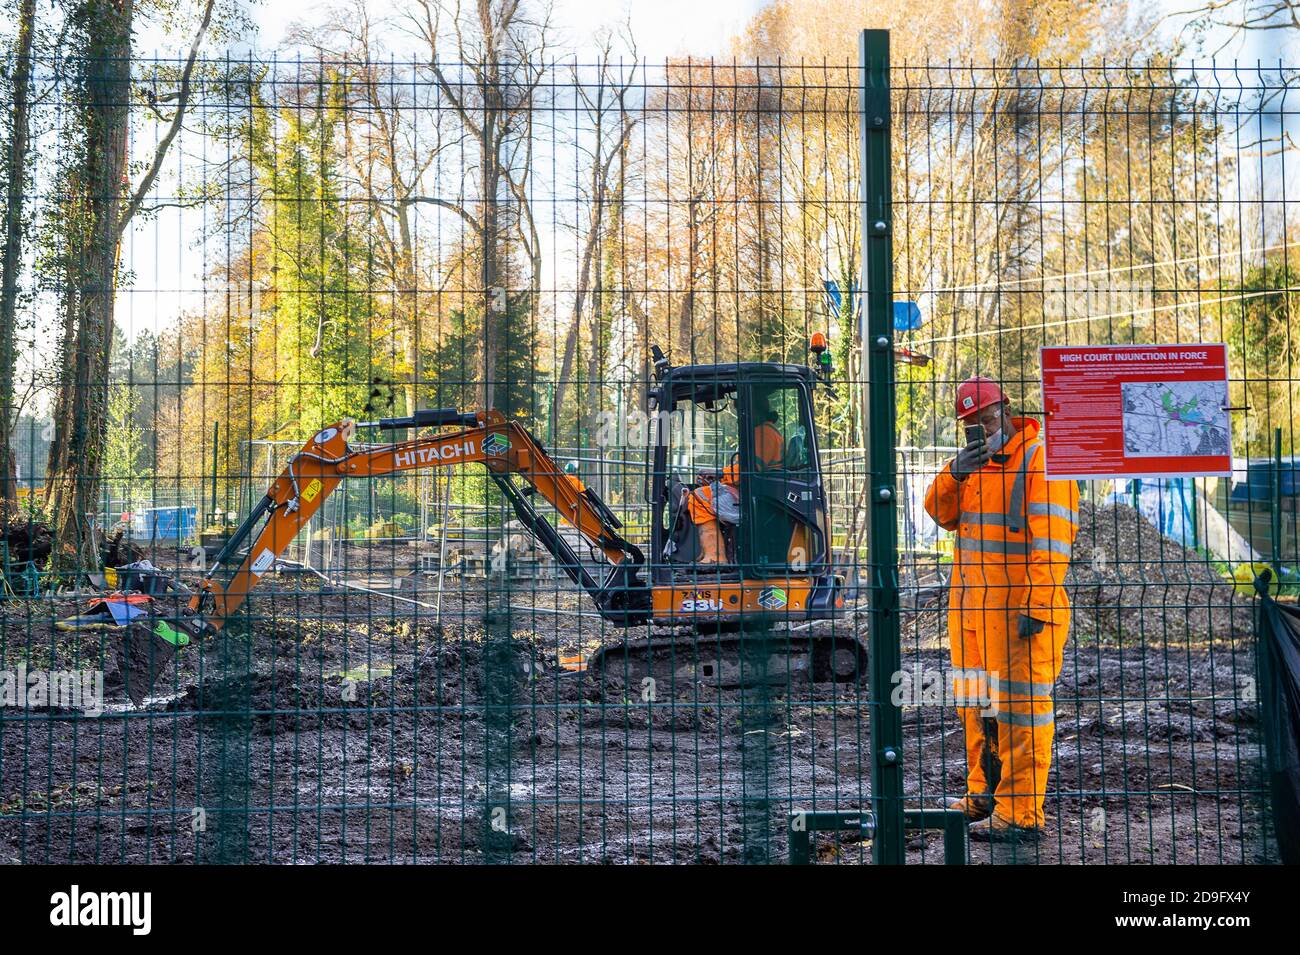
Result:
216,438
1275,525
800,841
878,365
224,785
953,824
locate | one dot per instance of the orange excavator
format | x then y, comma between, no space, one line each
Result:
744,430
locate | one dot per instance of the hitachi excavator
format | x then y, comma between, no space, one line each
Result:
742,433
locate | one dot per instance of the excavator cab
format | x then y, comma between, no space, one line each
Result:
739,437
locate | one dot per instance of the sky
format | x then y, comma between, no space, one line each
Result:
663,28
666,28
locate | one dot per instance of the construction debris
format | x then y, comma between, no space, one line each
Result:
141,576
33,541
111,612
27,540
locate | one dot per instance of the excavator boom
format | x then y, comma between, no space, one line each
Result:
505,448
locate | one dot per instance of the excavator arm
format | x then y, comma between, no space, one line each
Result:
510,454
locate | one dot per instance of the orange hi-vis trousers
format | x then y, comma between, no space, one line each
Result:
1009,740
699,505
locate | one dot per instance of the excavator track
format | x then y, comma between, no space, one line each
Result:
733,659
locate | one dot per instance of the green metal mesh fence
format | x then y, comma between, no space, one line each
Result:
546,637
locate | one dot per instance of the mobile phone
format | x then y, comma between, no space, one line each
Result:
974,432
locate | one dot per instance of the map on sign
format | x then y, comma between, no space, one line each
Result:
1175,418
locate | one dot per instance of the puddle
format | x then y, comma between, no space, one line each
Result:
126,706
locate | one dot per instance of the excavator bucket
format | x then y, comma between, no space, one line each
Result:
146,649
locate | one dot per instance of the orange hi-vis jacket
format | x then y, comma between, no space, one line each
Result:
699,502
1015,532
769,446
769,450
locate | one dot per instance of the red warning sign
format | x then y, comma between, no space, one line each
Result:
1136,411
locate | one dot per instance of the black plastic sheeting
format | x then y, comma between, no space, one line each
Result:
1278,630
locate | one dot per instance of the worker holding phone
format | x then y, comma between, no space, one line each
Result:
1008,612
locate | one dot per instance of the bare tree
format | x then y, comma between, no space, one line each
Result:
101,213
393,142
500,48
1227,20
605,106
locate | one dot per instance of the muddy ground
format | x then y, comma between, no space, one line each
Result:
347,726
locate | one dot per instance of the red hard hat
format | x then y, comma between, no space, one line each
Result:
976,394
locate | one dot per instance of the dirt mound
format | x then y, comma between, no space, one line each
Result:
1129,580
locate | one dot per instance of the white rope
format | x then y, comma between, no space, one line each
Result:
1099,318
993,284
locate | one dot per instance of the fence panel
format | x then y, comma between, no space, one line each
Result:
1124,205
434,665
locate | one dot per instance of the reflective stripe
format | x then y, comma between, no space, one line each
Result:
1047,543
1054,510
1015,507
992,547
1026,719
991,518
1036,690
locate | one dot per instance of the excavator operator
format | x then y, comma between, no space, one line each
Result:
709,510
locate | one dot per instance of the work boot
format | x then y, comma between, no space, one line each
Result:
973,808
996,829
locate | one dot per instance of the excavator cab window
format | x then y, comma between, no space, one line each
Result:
782,531
703,436
703,443
740,437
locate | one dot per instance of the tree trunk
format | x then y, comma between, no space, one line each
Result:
72,486
13,247
608,272
492,132
411,301
685,343
490,277
589,409
579,301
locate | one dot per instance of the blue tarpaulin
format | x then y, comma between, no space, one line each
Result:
907,316
836,297
164,523
123,612
1258,485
